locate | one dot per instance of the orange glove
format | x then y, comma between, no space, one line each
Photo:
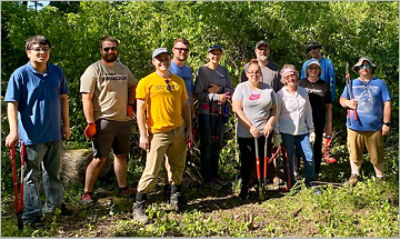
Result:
90,130
130,110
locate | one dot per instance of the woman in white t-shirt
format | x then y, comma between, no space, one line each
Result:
255,105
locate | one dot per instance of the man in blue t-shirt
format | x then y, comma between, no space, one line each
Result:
37,104
328,71
369,101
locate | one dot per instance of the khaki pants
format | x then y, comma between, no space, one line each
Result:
358,140
172,143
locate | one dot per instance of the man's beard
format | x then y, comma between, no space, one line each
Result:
181,58
109,57
262,58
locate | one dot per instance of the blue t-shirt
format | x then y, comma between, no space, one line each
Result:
370,97
328,74
186,74
39,105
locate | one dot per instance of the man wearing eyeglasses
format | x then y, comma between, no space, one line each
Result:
162,95
369,101
108,96
328,70
38,115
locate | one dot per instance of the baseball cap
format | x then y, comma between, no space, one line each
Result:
313,61
159,51
214,47
262,42
312,44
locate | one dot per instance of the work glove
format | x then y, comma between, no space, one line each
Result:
90,130
130,110
277,140
312,136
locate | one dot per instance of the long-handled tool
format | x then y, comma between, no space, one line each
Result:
265,162
350,94
281,154
260,188
19,203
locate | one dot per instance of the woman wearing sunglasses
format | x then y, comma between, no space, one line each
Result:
321,105
212,89
295,121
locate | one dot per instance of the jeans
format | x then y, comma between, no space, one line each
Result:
210,147
48,156
303,146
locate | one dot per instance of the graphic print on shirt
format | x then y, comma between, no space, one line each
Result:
365,102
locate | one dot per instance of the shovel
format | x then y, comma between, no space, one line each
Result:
18,202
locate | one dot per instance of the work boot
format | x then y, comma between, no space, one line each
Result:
354,178
175,197
167,192
139,210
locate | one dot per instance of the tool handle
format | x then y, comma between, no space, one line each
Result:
23,157
14,172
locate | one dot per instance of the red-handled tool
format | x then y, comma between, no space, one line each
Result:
19,202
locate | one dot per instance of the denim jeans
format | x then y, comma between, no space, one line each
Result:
210,149
48,156
303,146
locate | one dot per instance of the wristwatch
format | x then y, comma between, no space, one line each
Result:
387,124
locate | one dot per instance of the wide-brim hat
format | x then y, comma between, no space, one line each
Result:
214,47
313,44
260,43
159,51
356,67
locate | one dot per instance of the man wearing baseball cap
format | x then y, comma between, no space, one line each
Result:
328,71
270,75
162,95
270,70
370,98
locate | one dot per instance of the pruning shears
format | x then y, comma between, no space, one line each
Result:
350,94
19,202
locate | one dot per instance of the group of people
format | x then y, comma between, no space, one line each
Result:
271,104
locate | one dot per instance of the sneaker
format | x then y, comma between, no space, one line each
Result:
297,176
139,212
353,180
220,182
330,160
86,198
126,192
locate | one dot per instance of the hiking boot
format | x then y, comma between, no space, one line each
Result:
139,212
126,192
220,182
354,178
86,198
167,192
244,194
175,197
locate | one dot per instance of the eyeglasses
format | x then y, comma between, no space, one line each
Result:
365,66
181,49
254,72
39,49
313,68
287,77
110,48
263,49
314,48
169,87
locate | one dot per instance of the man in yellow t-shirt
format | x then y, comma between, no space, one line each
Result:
163,96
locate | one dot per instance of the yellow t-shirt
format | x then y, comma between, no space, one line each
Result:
164,101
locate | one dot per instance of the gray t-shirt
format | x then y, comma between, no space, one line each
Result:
256,106
270,75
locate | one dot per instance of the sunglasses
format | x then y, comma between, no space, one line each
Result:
110,48
169,87
313,68
365,66
313,48
181,49
39,49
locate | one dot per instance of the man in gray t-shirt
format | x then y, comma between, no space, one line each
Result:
270,70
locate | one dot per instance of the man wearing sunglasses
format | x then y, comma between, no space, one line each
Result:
38,114
162,95
108,95
371,99
328,71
